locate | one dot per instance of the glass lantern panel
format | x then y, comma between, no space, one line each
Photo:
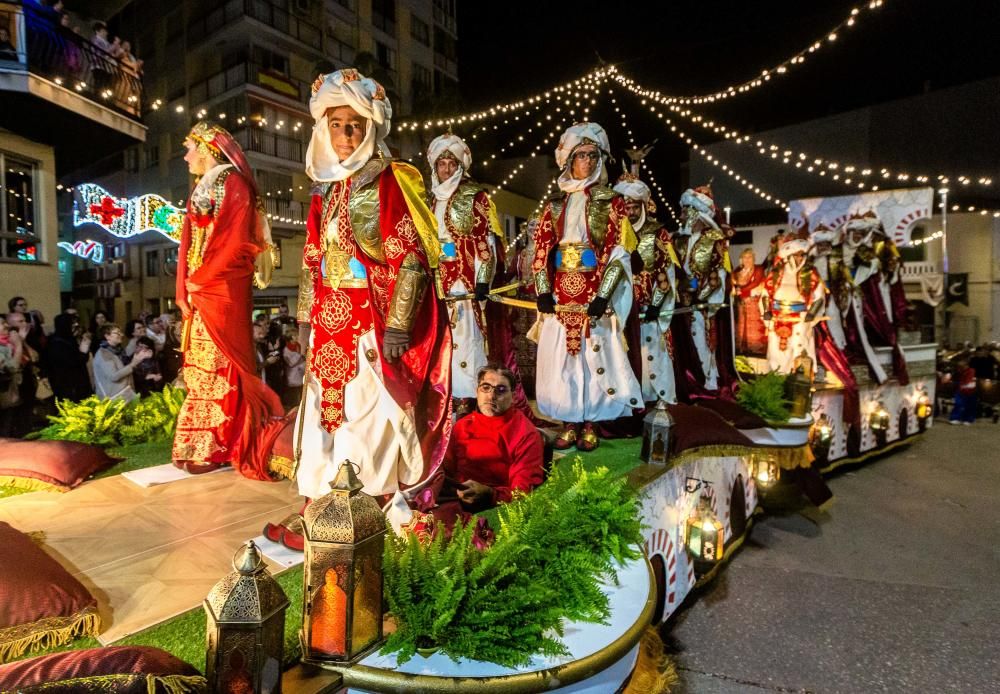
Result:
367,615
328,620
694,540
236,661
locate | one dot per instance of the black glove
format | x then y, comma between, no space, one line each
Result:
482,291
597,307
395,343
652,313
546,303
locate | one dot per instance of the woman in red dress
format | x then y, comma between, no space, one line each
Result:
227,406
751,335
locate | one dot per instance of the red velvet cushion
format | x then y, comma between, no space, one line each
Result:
70,669
696,427
40,603
733,413
60,464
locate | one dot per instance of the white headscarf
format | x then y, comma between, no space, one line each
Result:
443,190
346,87
576,135
634,189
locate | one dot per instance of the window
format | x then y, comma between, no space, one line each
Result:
423,79
153,263
444,43
152,156
132,159
385,56
269,60
420,30
170,261
384,15
18,240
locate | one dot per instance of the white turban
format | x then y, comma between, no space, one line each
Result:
576,135
635,189
792,246
824,234
443,190
346,87
700,199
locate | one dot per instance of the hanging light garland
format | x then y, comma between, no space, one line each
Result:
847,173
828,38
643,167
715,161
501,109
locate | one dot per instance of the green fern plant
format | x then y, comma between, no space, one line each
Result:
115,422
507,603
765,396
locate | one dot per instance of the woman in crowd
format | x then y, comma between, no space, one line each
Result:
112,373
68,353
11,354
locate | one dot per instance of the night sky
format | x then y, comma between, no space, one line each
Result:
512,49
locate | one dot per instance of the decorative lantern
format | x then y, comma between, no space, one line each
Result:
798,386
924,410
821,438
704,536
656,428
344,535
878,422
764,470
246,627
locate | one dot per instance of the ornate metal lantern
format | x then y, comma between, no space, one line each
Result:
344,536
924,410
798,386
765,470
704,535
821,438
656,431
878,422
246,627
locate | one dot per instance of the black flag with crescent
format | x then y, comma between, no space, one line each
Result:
957,288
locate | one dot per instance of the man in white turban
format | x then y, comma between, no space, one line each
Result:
469,232
583,280
654,289
703,250
796,299
377,388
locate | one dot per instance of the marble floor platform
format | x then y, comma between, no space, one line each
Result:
149,554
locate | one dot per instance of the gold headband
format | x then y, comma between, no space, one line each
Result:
203,135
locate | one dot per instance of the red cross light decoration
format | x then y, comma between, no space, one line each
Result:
107,210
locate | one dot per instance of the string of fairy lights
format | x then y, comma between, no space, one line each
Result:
819,166
829,38
644,169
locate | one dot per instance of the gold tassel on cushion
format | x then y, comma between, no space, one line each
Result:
47,633
30,483
281,467
654,671
176,684
36,536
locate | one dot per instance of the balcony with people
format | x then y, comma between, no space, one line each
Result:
46,60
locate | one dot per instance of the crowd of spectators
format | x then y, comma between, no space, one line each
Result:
126,361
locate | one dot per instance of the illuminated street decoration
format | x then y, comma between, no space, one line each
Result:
84,249
126,217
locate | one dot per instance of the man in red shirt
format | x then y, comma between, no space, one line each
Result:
495,450
966,406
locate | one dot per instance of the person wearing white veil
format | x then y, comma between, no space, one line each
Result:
469,234
583,282
796,300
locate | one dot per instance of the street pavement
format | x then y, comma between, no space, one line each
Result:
895,588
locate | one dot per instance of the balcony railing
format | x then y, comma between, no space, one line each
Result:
273,145
275,17
913,271
69,60
248,73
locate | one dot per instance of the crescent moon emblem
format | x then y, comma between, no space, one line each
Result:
356,325
955,288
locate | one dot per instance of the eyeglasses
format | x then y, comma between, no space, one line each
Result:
487,388
593,156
